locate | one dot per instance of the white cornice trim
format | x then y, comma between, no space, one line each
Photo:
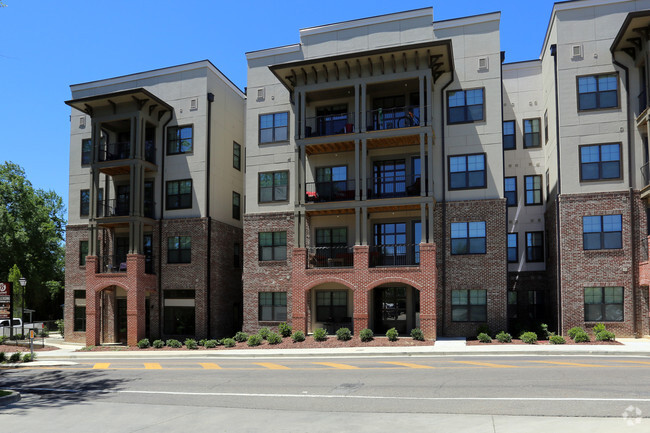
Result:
273,51
466,21
526,64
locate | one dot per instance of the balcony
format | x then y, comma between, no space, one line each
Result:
114,151
393,186
330,124
330,257
645,172
335,190
393,118
116,207
394,255
117,263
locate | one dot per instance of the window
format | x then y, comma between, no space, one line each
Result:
179,312
236,207
179,249
509,139
79,311
469,305
602,232
465,106
179,139
179,194
272,246
86,151
236,155
331,306
533,189
511,191
513,249
603,304
236,255
272,307
534,246
597,91
274,127
601,161
467,171
83,252
548,185
274,186
84,203
468,238
532,137
545,126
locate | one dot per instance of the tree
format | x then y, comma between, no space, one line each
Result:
17,292
32,226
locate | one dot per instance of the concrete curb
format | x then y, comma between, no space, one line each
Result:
11,398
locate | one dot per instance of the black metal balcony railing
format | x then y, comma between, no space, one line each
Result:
645,172
644,247
394,255
329,124
116,207
330,257
393,118
116,263
643,102
334,190
394,186
114,151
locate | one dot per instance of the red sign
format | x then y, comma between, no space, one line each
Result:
5,300
5,289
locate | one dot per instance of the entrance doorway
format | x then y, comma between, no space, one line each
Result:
121,321
396,307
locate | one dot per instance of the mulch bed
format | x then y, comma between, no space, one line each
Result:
569,342
10,348
287,343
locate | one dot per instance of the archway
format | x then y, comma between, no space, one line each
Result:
332,307
394,305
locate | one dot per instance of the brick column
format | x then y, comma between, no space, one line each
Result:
298,295
361,297
135,299
428,292
93,316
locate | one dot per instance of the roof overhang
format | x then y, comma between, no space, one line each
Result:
634,30
140,96
436,55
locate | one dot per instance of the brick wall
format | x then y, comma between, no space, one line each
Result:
75,279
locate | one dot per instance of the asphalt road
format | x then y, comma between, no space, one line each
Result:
380,391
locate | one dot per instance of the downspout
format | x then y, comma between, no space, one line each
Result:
208,260
557,195
503,163
630,171
160,223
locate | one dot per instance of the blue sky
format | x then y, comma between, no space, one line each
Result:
46,46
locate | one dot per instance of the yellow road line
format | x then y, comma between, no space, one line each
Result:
272,366
636,362
486,364
152,366
571,364
210,366
407,364
101,365
335,365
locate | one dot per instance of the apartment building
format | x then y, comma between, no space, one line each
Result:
400,173
154,238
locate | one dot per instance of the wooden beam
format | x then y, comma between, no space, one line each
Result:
327,74
370,63
392,58
315,74
417,61
404,62
151,108
381,64
113,105
630,51
347,66
336,68
359,67
88,110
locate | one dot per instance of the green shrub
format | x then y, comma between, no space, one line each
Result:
144,343
556,339
573,331
581,337
274,338
284,329
417,334
264,332
484,338
254,340
483,329
543,327
320,334
366,335
173,343
60,326
190,343
298,336
529,337
392,334
27,357
3,357
504,337
210,344
598,327
16,337
201,342
158,344
605,335
229,342
240,337
343,334
44,332
3,339
15,357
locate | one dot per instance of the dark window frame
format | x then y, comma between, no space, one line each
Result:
513,135
602,233
532,134
272,247
532,251
236,205
514,236
179,255
450,92
469,307
178,140
603,304
468,239
467,172
82,256
546,126
272,187
278,307
505,192
83,204
236,255
533,190
179,196
331,312
273,128
236,155
600,162
79,312
88,153
598,92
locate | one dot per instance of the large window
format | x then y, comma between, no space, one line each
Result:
534,246
236,205
467,171
464,106
602,232
83,252
86,151
79,311
179,194
469,305
236,255
272,307
545,126
179,249
179,139
468,238
509,140
600,161
236,155
532,134
533,186
274,127
179,313
274,186
331,306
513,248
511,191
597,91
603,304
84,203
272,246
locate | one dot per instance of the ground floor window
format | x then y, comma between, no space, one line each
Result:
469,305
79,311
273,307
603,304
179,312
331,306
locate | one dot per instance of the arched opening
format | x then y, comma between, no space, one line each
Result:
332,305
113,316
394,305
